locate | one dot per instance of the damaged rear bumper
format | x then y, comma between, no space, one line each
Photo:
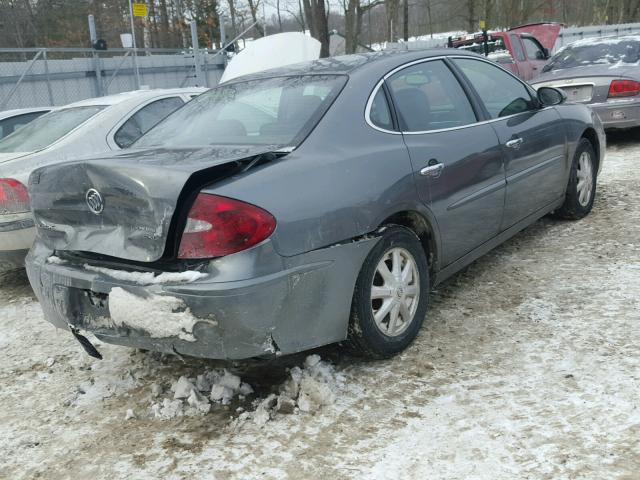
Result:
252,303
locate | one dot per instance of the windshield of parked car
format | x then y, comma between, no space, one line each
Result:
596,52
47,129
269,111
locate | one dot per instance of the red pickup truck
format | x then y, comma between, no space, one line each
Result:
524,50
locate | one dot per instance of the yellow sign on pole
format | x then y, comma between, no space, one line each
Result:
483,24
139,9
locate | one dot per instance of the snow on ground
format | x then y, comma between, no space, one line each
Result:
528,367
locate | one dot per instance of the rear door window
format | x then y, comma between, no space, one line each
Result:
274,111
47,129
501,93
145,119
11,124
427,96
380,114
517,47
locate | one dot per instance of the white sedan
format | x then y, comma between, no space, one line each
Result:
71,132
11,120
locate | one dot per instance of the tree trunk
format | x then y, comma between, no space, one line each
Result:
405,20
322,27
301,13
164,24
392,9
309,15
253,7
351,26
316,14
471,20
232,13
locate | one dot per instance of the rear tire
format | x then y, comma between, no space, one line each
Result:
581,189
391,296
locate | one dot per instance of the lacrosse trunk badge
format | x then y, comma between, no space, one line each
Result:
94,201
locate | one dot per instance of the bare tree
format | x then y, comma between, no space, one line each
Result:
232,14
316,13
354,12
253,8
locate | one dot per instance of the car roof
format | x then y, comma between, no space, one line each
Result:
135,95
347,64
22,111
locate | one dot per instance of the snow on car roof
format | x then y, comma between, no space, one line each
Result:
586,42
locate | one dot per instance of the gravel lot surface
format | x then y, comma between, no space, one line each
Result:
528,367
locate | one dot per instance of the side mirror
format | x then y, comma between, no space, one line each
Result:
549,96
546,52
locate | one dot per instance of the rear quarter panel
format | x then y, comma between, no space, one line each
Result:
578,119
342,182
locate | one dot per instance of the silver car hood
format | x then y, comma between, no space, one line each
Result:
139,194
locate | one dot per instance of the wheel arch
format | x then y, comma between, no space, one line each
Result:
591,135
425,230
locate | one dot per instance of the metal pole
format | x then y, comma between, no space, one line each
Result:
223,38
223,33
135,50
194,45
96,59
92,30
46,71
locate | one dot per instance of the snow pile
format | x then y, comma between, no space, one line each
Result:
194,396
307,389
56,260
146,278
500,56
160,316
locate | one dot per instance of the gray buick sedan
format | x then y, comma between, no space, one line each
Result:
307,205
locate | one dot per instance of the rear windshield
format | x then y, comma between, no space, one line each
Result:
596,52
47,129
271,111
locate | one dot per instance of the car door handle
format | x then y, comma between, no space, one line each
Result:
432,171
514,143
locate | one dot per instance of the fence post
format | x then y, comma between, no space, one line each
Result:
93,37
46,72
196,53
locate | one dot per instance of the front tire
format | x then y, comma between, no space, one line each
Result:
581,189
391,298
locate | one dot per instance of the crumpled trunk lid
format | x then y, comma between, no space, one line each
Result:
123,206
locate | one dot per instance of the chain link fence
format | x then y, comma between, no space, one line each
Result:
57,76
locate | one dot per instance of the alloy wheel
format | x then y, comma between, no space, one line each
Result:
585,179
395,291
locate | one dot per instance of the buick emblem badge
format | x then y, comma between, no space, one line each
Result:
94,201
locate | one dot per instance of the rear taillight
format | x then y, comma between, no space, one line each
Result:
218,226
13,196
624,88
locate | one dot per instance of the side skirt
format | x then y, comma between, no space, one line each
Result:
489,245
